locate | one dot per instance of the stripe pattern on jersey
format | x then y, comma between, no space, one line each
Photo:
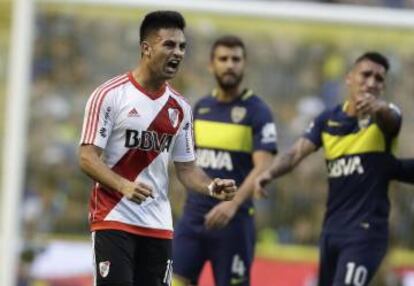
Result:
366,140
95,103
224,136
129,167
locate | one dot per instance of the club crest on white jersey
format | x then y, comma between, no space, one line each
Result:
173,114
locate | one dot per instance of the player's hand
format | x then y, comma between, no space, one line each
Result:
220,215
370,104
222,189
260,183
136,191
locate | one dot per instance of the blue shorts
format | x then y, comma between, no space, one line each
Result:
230,250
349,261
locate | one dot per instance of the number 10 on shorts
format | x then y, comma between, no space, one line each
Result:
356,275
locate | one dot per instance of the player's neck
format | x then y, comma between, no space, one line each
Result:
227,95
147,80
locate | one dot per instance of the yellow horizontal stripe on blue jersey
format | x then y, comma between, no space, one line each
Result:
226,136
367,140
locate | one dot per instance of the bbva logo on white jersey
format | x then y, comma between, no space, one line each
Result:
148,140
216,160
345,167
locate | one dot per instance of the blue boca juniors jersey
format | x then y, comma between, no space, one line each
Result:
358,158
226,135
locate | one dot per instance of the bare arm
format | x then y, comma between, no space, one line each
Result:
222,213
91,163
284,163
261,161
194,178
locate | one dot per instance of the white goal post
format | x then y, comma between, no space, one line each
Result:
14,137
16,113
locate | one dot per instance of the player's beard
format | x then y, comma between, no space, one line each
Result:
229,83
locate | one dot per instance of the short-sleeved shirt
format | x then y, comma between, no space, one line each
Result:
138,132
226,135
357,154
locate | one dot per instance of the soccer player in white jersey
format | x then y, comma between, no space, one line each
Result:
133,125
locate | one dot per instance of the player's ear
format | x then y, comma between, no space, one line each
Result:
348,78
210,67
211,62
146,49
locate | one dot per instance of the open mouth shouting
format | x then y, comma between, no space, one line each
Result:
172,66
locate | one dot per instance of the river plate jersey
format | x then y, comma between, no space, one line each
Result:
226,135
358,156
139,132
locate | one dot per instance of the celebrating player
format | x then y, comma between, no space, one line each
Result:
133,124
235,137
358,137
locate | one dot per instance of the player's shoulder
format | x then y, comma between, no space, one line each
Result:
395,108
329,117
178,96
113,82
107,90
249,97
205,100
253,102
330,112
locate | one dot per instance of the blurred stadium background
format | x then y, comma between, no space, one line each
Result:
296,65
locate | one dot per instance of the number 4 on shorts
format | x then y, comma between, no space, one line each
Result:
238,266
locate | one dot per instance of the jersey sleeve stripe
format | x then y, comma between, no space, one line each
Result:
94,108
88,122
98,107
89,109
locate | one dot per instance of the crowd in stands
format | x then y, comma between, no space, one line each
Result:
297,77
407,4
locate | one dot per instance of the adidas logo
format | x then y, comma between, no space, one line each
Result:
203,110
133,113
332,123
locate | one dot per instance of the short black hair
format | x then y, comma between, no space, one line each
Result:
229,41
376,58
157,20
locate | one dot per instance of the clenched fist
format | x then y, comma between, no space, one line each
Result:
222,189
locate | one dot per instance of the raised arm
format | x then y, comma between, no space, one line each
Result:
91,163
386,115
283,164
